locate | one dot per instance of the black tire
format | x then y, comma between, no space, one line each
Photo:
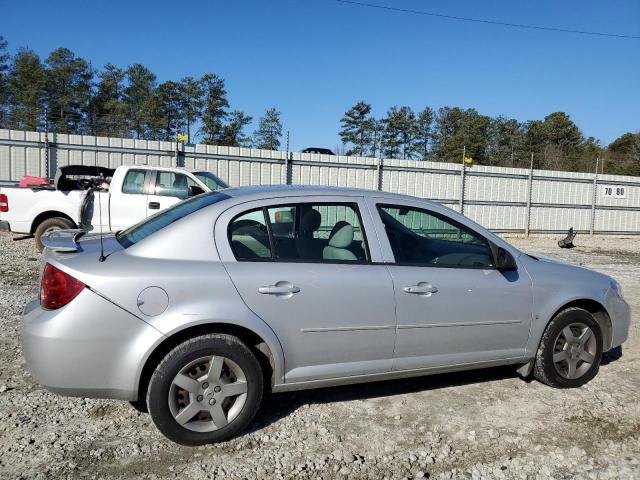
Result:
545,370
212,344
54,222
140,406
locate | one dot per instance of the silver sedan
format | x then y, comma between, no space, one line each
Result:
197,311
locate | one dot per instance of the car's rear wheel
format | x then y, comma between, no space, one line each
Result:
205,390
570,350
49,225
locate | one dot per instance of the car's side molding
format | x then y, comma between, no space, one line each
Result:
394,374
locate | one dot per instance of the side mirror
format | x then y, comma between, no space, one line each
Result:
195,190
502,259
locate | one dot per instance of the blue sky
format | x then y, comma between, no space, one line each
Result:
313,59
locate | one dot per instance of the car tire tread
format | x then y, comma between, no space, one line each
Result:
544,370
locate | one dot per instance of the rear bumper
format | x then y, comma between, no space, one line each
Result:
88,348
4,226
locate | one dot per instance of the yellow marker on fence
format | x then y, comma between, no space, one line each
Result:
468,160
183,138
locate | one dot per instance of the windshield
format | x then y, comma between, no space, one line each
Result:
211,181
150,225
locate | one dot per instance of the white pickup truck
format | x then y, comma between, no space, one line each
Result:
128,195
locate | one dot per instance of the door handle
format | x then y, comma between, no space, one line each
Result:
280,288
154,205
422,288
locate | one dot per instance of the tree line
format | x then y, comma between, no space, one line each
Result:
447,133
66,94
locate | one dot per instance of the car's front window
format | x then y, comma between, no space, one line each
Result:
152,224
210,180
420,237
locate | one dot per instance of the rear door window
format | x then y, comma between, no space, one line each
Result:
249,236
302,232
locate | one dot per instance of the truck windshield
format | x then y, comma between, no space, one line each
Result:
150,225
211,181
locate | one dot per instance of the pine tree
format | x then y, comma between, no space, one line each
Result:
505,142
4,84
107,109
26,90
68,91
357,129
406,125
167,119
191,102
214,108
424,133
269,130
391,134
232,131
138,98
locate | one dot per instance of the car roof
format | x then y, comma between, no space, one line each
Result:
258,192
169,169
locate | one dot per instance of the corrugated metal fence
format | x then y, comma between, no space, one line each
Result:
502,199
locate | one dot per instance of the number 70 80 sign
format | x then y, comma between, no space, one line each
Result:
614,191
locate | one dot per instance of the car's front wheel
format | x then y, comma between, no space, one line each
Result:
570,350
207,389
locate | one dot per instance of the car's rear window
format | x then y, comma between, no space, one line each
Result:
160,220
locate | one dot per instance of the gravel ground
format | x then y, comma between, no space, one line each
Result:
483,424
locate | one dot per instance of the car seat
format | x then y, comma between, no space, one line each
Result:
341,237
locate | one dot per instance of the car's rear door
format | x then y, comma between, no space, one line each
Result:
306,267
453,305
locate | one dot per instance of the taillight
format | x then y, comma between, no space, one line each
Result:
4,203
58,288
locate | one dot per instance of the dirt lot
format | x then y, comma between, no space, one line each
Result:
484,424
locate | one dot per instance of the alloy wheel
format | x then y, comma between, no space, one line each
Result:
574,350
208,393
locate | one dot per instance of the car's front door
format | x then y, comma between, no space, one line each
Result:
453,305
167,189
306,268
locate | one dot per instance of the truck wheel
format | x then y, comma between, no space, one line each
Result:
48,225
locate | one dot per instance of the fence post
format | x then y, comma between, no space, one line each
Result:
529,192
47,169
380,172
594,198
462,171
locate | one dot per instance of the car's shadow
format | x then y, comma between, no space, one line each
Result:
279,405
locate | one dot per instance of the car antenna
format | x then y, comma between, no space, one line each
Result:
101,258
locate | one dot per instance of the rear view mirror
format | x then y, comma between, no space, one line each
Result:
195,190
503,260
